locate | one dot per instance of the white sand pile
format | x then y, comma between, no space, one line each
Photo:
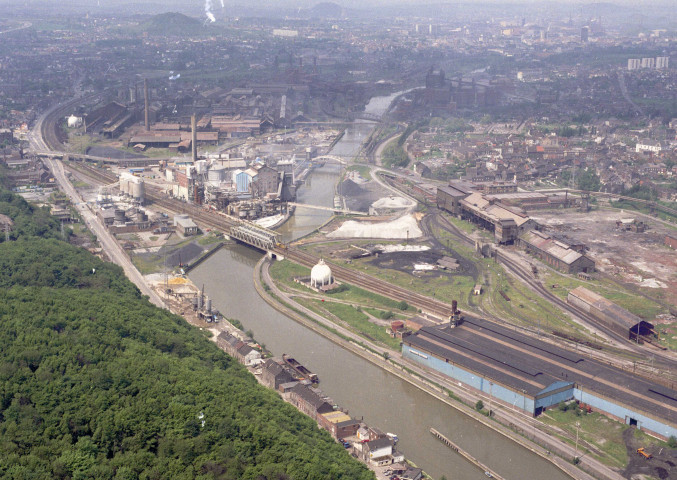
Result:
652,283
424,267
267,222
395,229
402,248
355,176
392,202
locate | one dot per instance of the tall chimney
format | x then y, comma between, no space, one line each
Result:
145,97
193,126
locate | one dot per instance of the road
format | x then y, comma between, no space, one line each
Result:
626,95
112,248
23,26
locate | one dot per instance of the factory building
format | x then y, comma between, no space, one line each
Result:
242,180
506,222
132,186
611,315
185,225
523,373
110,119
555,253
462,199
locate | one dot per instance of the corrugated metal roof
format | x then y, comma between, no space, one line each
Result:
551,246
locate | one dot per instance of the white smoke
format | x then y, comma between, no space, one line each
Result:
222,5
208,11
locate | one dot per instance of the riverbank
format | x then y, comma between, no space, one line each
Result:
508,423
230,337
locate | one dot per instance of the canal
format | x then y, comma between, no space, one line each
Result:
365,390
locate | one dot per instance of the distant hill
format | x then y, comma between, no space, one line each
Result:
171,23
325,10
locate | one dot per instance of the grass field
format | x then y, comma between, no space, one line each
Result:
604,435
633,302
364,170
357,320
283,272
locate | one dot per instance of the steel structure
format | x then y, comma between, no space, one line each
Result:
254,235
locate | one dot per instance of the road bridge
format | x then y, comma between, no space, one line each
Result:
98,159
330,158
366,116
327,209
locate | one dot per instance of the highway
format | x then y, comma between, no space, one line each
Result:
38,138
112,248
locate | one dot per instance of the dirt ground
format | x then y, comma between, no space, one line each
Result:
641,259
661,465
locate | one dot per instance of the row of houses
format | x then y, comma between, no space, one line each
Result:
368,443
243,352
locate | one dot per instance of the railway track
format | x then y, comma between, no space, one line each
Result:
373,284
223,222
429,305
526,277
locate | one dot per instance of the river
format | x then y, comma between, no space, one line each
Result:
365,390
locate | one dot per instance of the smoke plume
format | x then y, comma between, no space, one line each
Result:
208,11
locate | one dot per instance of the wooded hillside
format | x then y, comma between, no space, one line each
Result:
95,382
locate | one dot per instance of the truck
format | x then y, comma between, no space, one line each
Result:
644,453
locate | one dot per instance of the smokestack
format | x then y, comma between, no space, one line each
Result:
193,126
454,304
145,97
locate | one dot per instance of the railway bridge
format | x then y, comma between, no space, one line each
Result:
256,236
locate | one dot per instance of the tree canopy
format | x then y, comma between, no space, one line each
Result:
96,382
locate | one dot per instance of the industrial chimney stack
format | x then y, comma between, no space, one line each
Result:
193,126
145,97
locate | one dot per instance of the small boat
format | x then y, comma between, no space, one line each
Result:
393,437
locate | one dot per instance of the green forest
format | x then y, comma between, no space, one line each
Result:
95,382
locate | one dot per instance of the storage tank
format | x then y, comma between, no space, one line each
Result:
123,185
138,191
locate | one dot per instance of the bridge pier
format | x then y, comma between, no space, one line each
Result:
274,256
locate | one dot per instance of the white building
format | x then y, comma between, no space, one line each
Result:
648,62
662,62
74,122
647,146
320,275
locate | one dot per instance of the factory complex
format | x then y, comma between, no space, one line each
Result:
531,375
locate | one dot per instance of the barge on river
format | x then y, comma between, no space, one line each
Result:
300,369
